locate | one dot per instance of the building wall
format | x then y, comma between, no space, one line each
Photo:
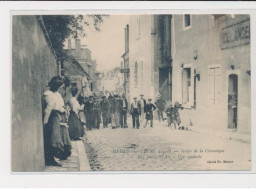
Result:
204,37
33,66
140,52
162,53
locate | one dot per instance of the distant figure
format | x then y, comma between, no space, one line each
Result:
119,109
160,104
123,112
114,113
97,113
177,120
104,110
142,108
88,110
149,108
110,97
76,129
135,112
81,101
170,115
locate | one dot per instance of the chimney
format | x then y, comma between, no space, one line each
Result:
78,44
69,43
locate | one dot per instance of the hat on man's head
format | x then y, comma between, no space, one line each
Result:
158,95
141,95
149,98
135,98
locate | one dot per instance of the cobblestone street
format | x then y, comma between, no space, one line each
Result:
161,148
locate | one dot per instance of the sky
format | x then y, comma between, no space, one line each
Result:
107,46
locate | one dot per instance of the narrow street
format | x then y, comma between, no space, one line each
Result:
160,148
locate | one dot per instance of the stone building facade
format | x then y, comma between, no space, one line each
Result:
211,70
85,76
150,55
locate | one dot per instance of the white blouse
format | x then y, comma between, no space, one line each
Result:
54,101
75,106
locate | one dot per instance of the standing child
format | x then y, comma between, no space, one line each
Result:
176,108
170,115
149,112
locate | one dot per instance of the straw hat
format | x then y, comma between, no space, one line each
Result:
158,95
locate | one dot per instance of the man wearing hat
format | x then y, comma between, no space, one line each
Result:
96,113
88,110
160,104
114,117
142,108
123,113
104,111
149,108
135,112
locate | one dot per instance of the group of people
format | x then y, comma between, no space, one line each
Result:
66,120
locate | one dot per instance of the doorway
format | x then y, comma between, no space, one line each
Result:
165,82
232,101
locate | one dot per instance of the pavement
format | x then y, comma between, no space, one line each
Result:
76,162
157,149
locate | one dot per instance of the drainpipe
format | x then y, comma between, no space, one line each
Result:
153,33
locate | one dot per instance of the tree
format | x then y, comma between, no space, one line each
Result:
62,27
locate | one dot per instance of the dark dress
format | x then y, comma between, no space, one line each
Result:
88,110
75,125
170,115
177,114
53,136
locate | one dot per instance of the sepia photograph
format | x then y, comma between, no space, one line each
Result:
130,92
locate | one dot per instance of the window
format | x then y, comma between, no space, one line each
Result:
141,76
186,21
214,84
136,74
188,86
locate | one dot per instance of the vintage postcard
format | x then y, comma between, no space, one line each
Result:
131,92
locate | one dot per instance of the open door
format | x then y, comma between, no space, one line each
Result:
232,101
165,84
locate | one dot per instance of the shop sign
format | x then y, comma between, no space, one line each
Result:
235,35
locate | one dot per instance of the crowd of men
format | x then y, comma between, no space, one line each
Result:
112,111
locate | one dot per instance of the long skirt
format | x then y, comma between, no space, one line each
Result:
82,117
53,140
66,141
75,129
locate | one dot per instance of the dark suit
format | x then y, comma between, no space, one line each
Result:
135,111
88,110
123,113
104,111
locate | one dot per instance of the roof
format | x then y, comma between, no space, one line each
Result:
75,67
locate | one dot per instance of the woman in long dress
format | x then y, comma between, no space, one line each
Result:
53,113
75,125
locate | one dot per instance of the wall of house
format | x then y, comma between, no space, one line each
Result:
162,52
140,52
33,65
204,38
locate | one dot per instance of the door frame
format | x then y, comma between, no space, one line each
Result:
190,103
228,73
